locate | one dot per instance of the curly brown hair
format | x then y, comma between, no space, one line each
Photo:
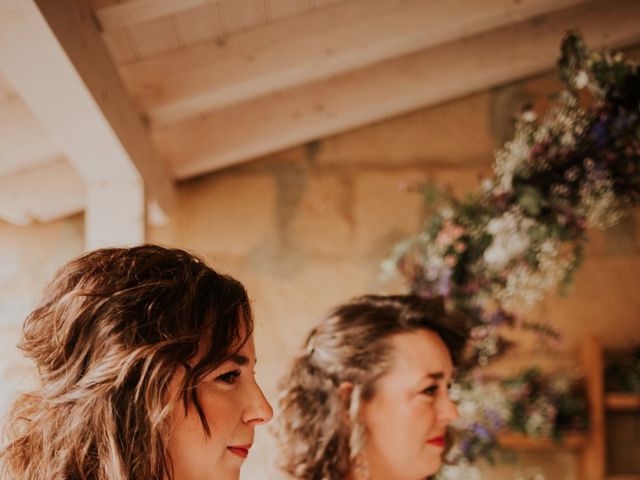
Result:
319,430
110,332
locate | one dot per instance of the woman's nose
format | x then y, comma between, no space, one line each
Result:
259,410
448,411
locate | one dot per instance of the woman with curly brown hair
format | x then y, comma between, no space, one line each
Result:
368,398
145,359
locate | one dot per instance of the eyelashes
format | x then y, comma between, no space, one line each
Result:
230,378
432,390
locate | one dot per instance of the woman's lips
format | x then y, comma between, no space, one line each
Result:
437,441
240,450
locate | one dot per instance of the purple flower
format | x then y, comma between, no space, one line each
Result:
466,446
481,431
600,133
494,418
443,284
501,317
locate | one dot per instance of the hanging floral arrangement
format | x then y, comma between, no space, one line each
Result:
522,233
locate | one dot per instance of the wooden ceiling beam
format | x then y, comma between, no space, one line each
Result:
52,54
24,143
419,80
189,82
131,12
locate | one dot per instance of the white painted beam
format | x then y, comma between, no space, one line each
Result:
42,193
24,143
53,56
192,81
419,80
115,214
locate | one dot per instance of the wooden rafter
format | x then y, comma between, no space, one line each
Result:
64,74
189,82
419,80
131,12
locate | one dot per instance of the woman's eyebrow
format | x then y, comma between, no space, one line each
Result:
435,375
241,360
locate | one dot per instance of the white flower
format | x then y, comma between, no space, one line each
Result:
506,182
455,392
434,267
581,80
502,225
482,402
512,159
446,213
468,409
599,204
529,116
509,240
486,185
518,243
461,471
561,384
496,256
567,139
541,134
524,286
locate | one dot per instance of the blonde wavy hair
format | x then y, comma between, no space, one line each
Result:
110,332
320,435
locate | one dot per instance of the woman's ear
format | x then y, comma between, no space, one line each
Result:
344,390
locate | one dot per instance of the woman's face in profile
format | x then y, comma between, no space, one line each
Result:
233,405
407,417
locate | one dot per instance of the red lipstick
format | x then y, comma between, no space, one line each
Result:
437,441
240,450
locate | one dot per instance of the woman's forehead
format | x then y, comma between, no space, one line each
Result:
246,354
248,349
420,352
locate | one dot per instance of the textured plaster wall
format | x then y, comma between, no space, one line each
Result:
307,228
28,259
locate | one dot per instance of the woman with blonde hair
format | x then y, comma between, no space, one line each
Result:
368,397
145,361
